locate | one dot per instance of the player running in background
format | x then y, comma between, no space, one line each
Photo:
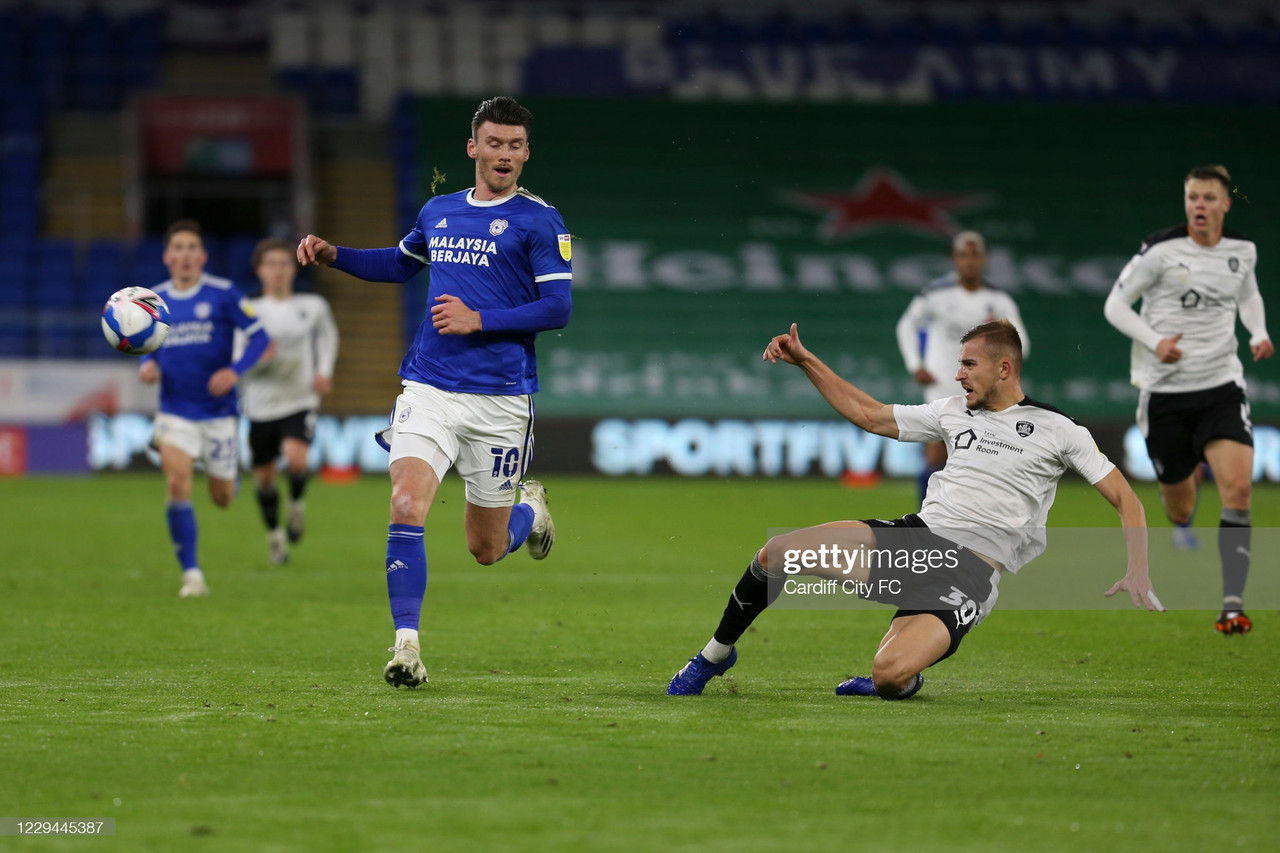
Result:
198,416
500,273
987,508
1194,279
281,395
946,309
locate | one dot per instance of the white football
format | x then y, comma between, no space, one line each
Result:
135,320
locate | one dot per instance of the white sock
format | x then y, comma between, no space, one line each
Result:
194,574
408,636
715,651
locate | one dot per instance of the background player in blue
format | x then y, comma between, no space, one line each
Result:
198,416
500,273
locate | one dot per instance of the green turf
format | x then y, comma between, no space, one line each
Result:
257,719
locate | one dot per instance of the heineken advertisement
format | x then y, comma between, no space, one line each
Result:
701,230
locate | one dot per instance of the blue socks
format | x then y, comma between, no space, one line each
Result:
406,573
407,564
182,531
519,526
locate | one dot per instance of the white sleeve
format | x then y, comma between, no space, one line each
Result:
326,340
1081,454
908,331
1138,275
1252,313
920,423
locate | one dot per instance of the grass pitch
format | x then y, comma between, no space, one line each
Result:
257,719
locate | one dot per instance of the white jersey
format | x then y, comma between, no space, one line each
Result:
1195,290
994,493
944,311
306,341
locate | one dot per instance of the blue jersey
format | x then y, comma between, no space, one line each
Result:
491,255
202,329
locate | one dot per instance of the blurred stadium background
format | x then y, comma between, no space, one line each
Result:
726,169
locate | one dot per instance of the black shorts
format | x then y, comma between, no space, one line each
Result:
265,437
952,593
1178,426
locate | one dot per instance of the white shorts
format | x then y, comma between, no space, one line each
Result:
215,442
488,438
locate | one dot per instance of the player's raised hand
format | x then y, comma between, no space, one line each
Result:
314,252
1262,349
149,371
451,316
786,347
1141,593
1167,350
923,376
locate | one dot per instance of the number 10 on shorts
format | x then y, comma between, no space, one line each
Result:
506,461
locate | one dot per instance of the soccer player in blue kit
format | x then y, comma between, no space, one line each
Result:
500,273
198,417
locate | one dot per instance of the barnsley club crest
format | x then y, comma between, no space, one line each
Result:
1024,428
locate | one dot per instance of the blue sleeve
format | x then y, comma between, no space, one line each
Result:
549,311
243,315
389,264
550,248
253,350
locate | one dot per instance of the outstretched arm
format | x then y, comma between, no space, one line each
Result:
1136,581
854,404
387,264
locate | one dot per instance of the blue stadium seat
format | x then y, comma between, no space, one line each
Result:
93,63
13,339
15,284
139,50
239,263
103,271
339,91
148,264
57,336
56,283
215,246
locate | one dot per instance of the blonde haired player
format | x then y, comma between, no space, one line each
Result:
1194,279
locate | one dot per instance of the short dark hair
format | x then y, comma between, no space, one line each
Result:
1000,338
1213,172
501,110
269,244
183,225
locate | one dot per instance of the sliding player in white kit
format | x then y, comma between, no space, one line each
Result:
986,508
282,393
1194,279
946,309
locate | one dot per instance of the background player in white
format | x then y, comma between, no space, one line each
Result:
198,416
1194,279
945,310
500,273
986,505
281,394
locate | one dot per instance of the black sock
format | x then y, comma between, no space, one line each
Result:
269,503
297,484
750,598
1234,541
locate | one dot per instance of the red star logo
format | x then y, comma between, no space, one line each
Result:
883,199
